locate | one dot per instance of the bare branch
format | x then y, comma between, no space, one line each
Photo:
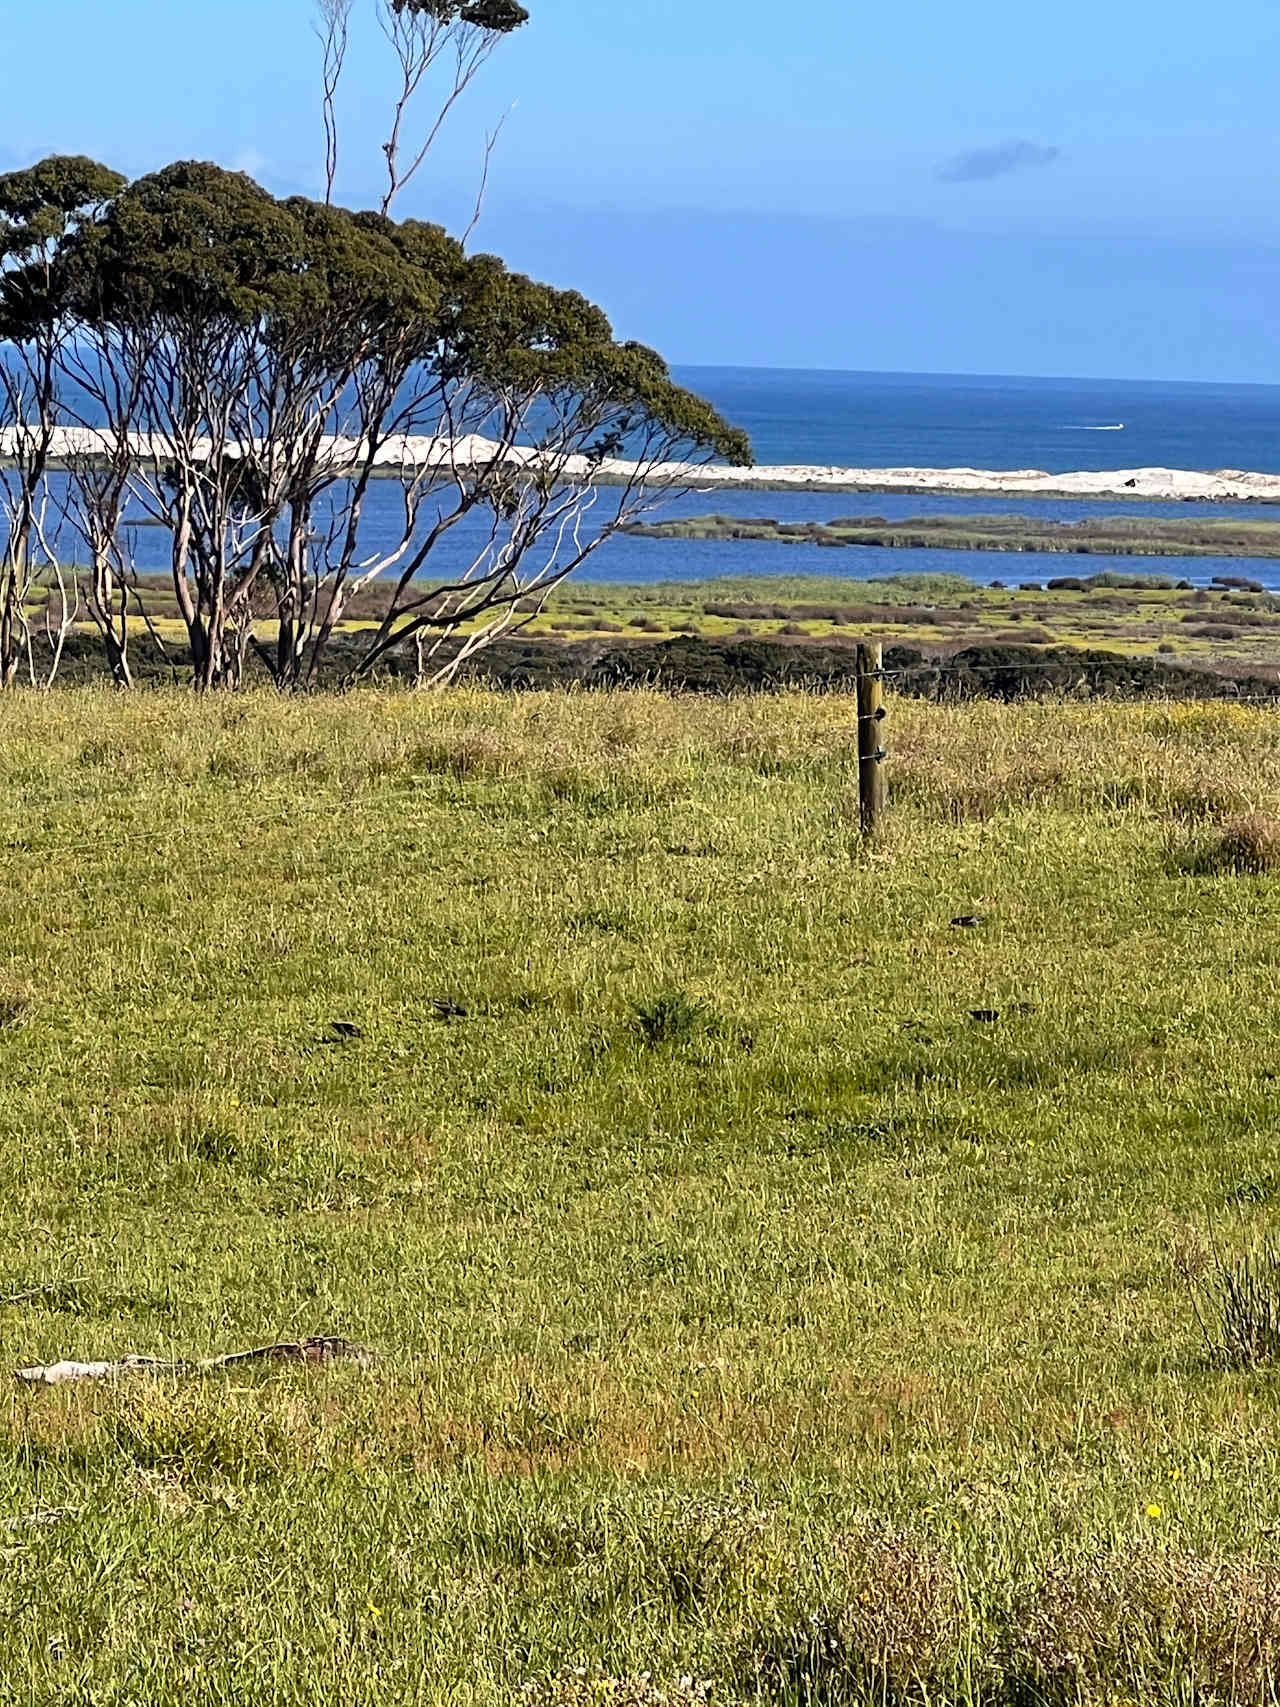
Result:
482,189
419,38
333,28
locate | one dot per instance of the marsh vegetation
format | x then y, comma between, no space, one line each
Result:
1111,631
1109,536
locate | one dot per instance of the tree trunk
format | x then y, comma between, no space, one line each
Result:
12,594
112,626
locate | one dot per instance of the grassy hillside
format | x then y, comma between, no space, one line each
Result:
748,1310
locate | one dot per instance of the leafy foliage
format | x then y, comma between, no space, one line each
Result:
499,16
40,208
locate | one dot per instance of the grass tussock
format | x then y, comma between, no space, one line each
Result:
671,1017
1250,842
1238,1306
1246,844
890,1625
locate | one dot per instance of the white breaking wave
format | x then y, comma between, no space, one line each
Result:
1115,427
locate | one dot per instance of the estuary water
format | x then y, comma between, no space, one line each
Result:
628,559
871,420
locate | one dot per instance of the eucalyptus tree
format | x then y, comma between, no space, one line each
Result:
279,357
41,209
482,395
246,368
172,287
541,428
100,460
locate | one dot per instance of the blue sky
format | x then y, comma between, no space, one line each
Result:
1092,189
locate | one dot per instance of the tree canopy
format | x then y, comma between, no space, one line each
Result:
197,241
500,16
41,208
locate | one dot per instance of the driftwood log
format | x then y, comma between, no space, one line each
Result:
320,1350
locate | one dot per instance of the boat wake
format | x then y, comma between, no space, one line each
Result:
1114,427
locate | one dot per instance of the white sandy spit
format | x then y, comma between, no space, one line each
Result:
1168,484
423,455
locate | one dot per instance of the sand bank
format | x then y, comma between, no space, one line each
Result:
424,455
1227,485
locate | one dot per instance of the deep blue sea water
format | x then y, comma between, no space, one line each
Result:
895,420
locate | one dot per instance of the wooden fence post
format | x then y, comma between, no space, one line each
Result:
871,754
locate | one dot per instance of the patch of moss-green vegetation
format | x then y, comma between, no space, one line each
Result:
1229,626
1116,536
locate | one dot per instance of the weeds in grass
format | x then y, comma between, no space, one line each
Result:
468,754
1246,844
1150,1626
604,921
713,1547
1249,843
1238,1308
203,1434
211,1432
672,1017
890,1625
581,1687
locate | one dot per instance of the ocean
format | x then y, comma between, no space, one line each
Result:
896,420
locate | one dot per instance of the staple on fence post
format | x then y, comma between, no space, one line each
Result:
871,753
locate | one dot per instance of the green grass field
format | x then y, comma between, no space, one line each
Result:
747,1311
